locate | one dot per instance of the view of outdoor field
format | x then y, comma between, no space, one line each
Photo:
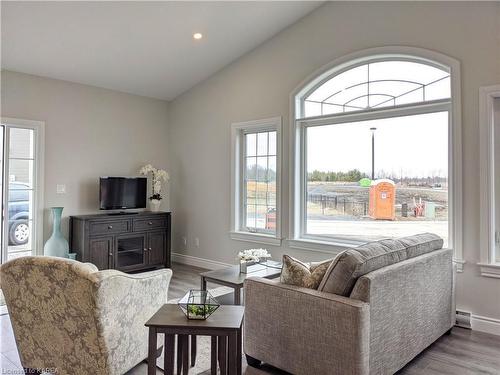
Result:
260,181
410,152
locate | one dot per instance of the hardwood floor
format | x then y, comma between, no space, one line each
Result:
464,352
184,278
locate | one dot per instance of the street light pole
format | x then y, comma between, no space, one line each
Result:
373,152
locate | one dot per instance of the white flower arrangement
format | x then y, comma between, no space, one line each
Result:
253,255
158,175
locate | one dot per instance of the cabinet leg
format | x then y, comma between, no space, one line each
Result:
185,354
193,350
169,354
231,353
222,349
213,356
153,342
179,354
237,296
238,351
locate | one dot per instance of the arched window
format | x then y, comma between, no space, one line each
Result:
375,151
376,85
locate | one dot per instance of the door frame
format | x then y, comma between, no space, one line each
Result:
38,181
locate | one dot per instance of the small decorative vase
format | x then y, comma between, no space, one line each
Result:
56,245
155,205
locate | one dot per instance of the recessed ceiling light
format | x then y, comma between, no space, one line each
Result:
197,36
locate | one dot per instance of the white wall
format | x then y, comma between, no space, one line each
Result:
89,132
258,86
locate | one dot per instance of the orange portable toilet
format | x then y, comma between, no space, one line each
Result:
382,200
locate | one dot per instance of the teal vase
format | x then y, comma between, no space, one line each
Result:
56,245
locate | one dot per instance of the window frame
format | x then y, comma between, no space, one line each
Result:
238,132
488,265
298,142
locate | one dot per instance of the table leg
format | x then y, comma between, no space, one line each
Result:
213,356
237,296
239,340
222,347
179,355
231,353
193,350
169,354
185,354
152,344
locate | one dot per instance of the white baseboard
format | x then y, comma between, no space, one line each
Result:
198,262
485,324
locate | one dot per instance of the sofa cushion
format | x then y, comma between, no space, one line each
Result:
307,275
342,274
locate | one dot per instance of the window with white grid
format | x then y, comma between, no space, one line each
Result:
256,176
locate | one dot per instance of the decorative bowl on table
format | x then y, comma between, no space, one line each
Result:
198,304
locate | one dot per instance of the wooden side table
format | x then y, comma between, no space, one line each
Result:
224,327
233,278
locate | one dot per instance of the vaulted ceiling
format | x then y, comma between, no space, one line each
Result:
144,48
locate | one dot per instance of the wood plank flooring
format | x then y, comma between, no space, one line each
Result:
464,352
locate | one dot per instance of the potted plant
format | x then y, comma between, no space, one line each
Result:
198,304
158,176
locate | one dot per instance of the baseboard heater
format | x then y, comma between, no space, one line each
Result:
463,319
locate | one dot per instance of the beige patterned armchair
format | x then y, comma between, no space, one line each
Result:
69,316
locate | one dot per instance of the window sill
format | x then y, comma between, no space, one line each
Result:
256,237
320,246
490,270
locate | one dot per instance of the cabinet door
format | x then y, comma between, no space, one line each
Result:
101,252
130,252
157,248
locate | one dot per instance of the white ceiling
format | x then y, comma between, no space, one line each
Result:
144,48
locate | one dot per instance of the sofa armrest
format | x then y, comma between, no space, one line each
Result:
124,303
304,331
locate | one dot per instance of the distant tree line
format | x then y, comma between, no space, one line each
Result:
353,175
259,173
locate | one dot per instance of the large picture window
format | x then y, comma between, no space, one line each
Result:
373,153
341,182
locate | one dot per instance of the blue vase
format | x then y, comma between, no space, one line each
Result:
56,245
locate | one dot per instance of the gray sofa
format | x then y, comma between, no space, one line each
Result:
400,303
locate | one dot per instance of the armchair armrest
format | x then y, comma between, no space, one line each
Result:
304,331
124,302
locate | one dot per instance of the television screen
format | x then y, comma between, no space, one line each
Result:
122,192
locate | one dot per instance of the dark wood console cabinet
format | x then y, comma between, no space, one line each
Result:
128,242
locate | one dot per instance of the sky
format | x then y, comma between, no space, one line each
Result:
411,146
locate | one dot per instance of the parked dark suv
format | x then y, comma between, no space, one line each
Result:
19,230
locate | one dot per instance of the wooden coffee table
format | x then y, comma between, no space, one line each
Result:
232,278
224,327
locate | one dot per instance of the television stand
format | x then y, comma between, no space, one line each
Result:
126,241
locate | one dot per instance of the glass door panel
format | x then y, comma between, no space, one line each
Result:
19,152
20,192
130,251
2,251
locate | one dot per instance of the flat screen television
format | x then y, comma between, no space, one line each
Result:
116,193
